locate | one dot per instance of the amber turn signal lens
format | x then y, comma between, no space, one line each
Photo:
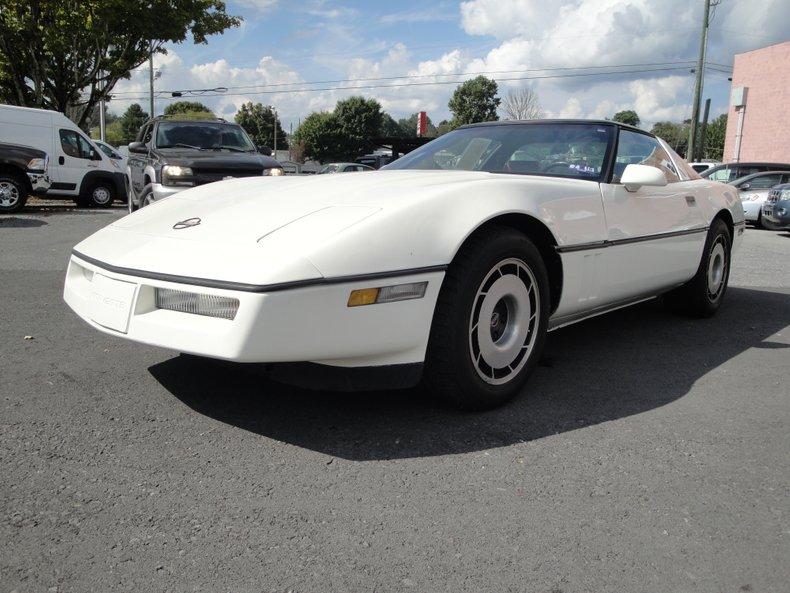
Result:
365,296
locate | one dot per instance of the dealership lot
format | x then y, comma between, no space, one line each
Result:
649,454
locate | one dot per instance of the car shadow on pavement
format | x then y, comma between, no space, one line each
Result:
20,223
627,362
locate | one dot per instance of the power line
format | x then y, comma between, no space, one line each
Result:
681,64
444,82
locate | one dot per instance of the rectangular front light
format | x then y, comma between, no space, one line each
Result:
208,305
387,294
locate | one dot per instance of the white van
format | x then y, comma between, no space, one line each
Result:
77,168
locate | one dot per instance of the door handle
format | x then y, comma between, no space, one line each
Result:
61,161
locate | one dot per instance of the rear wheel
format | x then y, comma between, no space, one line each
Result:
101,195
703,294
490,321
13,193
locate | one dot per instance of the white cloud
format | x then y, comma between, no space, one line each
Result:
259,6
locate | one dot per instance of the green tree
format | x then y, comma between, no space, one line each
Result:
390,128
629,116
474,101
714,138
189,110
130,122
259,121
68,54
674,134
360,119
409,126
321,137
443,127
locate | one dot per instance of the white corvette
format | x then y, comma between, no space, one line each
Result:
449,265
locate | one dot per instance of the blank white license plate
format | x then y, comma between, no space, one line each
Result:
112,302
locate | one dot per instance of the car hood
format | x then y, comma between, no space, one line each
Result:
261,230
215,160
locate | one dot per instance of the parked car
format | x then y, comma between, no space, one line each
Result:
23,170
171,155
729,172
449,270
776,209
375,160
753,190
77,170
702,166
113,153
344,168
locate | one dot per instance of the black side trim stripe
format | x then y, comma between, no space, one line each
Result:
244,287
616,242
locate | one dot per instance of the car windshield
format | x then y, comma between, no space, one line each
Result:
552,149
202,136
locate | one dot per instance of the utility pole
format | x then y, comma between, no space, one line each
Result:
102,116
151,75
274,125
703,46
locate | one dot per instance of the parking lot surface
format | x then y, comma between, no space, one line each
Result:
648,453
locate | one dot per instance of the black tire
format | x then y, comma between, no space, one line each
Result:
455,363
100,195
758,224
701,296
145,196
13,193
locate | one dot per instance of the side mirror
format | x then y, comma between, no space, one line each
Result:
744,186
636,176
264,150
138,148
95,156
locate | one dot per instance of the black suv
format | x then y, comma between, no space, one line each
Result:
23,170
172,154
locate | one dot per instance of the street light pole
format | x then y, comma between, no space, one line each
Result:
703,46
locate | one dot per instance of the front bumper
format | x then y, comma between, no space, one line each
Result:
305,324
777,214
160,192
39,182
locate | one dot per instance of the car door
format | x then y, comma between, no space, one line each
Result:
138,161
75,156
655,234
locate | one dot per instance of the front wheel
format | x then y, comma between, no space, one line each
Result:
490,321
703,294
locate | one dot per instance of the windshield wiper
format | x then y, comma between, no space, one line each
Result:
233,148
180,145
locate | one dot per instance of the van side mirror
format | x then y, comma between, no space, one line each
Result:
744,186
138,148
264,150
636,176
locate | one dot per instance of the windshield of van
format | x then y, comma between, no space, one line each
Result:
203,136
551,149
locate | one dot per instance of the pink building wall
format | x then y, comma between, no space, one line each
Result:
766,123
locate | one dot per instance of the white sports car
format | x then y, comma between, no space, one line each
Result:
450,265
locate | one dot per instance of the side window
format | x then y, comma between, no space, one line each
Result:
148,133
75,145
722,175
634,148
764,181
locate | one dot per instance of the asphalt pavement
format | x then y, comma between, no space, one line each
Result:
648,453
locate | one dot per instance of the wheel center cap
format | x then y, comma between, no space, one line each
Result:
494,318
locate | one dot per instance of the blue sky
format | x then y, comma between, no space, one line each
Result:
290,43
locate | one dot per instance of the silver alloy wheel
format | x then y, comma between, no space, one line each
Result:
9,194
717,267
503,322
101,195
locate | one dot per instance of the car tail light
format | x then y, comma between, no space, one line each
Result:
208,305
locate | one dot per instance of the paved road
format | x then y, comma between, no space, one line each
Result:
649,453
